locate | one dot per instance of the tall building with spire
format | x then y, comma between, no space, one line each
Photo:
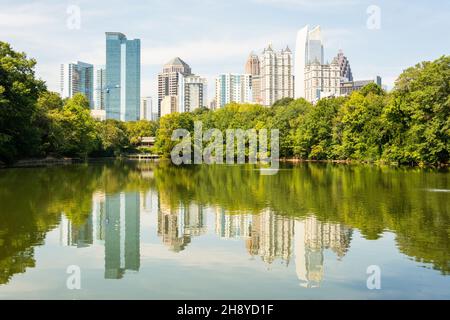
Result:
277,79
308,49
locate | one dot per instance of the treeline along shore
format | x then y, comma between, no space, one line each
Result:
409,125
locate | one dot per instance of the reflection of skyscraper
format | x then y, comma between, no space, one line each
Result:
267,235
79,236
98,217
271,237
311,238
177,226
170,229
122,238
149,202
233,225
194,220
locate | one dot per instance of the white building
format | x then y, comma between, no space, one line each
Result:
148,111
322,80
309,48
277,80
192,93
233,88
77,78
100,87
169,105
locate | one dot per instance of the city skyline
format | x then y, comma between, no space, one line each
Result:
224,49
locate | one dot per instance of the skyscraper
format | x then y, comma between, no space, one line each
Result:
277,80
168,79
77,78
123,77
253,67
344,67
233,88
309,49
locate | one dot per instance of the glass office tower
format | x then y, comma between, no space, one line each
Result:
77,78
123,77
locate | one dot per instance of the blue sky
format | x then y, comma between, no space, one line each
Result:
215,36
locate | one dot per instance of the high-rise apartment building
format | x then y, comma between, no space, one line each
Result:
233,88
309,49
148,111
277,80
344,67
253,67
322,80
192,93
123,77
77,78
168,79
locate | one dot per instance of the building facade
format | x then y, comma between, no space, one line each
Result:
233,88
100,84
123,77
322,80
169,105
77,78
277,79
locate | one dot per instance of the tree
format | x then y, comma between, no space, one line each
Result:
285,119
417,117
113,137
167,125
73,130
137,129
19,91
358,133
314,136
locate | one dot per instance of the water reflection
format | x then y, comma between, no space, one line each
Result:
115,224
292,218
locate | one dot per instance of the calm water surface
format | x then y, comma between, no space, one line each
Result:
154,231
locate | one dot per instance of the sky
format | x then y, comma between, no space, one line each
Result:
216,36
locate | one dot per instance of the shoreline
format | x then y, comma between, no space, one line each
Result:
47,162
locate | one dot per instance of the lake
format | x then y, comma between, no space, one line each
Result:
150,230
